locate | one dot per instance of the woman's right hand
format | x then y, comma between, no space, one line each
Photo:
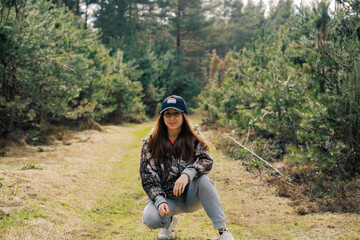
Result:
163,209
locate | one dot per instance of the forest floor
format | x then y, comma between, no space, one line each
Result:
90,189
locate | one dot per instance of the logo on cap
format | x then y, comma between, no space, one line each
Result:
171,100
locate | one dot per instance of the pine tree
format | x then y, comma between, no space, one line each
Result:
52,69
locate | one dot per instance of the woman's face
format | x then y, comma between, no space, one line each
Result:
173,119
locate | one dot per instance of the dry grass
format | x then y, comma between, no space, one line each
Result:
91,190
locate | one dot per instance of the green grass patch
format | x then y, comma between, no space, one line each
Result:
143,132
136,145
30,165
113,215
20,219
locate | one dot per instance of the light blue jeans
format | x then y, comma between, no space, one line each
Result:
200,192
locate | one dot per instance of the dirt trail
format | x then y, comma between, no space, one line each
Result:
91,190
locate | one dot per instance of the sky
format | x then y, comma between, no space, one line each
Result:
93,7
296,2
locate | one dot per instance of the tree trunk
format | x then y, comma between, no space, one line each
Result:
4,86
86,14
322,81
77,8
11,97
178,29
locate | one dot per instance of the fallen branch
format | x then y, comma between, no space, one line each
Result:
288,180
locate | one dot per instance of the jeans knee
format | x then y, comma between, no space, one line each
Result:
151,217
152,221
204,181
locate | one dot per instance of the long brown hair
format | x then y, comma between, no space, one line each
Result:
182,148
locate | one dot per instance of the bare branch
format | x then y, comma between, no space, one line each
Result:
288,180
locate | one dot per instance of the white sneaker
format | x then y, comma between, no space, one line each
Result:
167,233
226,236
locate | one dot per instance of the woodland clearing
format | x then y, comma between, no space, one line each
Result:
90,189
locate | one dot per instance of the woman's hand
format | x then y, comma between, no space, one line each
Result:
163,209
180,184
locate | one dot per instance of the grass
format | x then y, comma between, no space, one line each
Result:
30,165
91,190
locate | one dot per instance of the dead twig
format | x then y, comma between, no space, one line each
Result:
287,179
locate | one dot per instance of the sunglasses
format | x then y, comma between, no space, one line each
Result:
173,114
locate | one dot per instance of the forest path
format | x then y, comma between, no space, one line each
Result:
91,190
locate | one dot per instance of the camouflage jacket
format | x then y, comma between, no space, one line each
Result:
158,178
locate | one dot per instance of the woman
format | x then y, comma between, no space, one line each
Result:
174,161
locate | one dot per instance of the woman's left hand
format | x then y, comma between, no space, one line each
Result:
180,184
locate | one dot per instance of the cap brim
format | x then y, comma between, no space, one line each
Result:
171,108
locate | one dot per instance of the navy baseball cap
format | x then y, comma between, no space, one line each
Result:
174,102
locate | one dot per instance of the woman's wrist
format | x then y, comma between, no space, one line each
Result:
191,172
159,200
187,176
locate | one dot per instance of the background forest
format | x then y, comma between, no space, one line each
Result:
286,78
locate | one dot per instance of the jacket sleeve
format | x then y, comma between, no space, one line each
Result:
202,161
150,179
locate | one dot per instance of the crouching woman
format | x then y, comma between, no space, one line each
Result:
174,162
